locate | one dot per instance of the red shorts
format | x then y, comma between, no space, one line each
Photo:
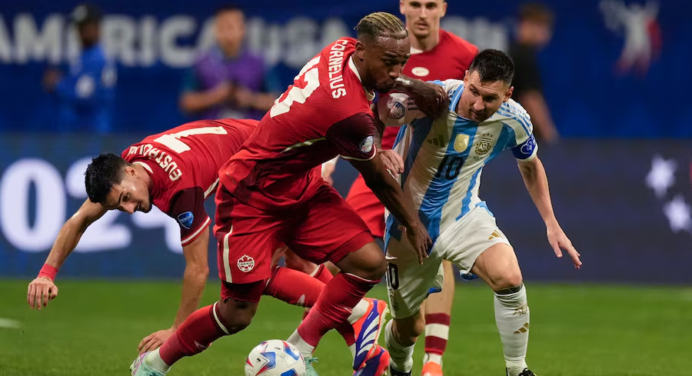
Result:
320,228
366,204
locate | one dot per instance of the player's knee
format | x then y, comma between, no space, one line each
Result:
238,323
505,279
409,329
237,315
508,282
417,328
368,263
377,267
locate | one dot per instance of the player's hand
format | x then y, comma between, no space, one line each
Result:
154,340
392,161
431,99
420,239
41,290
559,241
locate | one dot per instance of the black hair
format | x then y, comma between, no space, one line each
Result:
102,173
381,24
493,65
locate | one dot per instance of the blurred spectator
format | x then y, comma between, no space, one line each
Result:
534,32
85,94
227,81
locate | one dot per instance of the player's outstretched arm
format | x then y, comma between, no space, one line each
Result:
194,280
536,182
390,194
42,289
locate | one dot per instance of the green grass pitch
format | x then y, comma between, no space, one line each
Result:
93,328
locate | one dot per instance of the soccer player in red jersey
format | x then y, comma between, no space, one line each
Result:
435,55
175,171
269,195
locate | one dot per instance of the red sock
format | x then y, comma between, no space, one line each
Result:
193,336
346,331
436,333
294,287
323,274
334,306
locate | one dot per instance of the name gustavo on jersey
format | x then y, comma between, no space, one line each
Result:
159,156
336,77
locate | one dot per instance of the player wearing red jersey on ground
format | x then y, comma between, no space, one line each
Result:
175,171
269,196
435,55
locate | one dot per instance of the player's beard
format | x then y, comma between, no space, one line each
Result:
146,206
385,88
479,116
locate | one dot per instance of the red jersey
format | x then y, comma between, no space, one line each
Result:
183,163
449,59
325,113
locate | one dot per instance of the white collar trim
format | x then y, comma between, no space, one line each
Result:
352,65
146,166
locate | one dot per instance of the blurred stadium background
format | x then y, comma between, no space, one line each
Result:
615,76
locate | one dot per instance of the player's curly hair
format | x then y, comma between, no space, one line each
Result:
381,24
493,65
102,173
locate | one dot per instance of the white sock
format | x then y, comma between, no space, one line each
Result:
401,356
512,318
301,345
358,311
435,358
154,361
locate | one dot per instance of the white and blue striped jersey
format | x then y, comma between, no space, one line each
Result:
444,157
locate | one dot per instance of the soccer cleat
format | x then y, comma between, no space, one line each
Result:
367,332
525,372
376,365
431,369
393,372
309,369
140,368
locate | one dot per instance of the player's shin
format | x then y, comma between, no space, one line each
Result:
294,287
303,290
333,308
512,318
198,331
401,355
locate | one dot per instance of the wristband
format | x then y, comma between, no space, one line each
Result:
48,271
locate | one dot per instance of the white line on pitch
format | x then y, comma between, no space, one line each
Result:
8,323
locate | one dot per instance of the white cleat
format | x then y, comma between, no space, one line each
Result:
140,368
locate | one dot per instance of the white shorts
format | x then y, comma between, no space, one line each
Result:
409,283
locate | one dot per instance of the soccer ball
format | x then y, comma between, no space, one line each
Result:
275,358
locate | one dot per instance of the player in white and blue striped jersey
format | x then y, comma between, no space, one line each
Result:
443,161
